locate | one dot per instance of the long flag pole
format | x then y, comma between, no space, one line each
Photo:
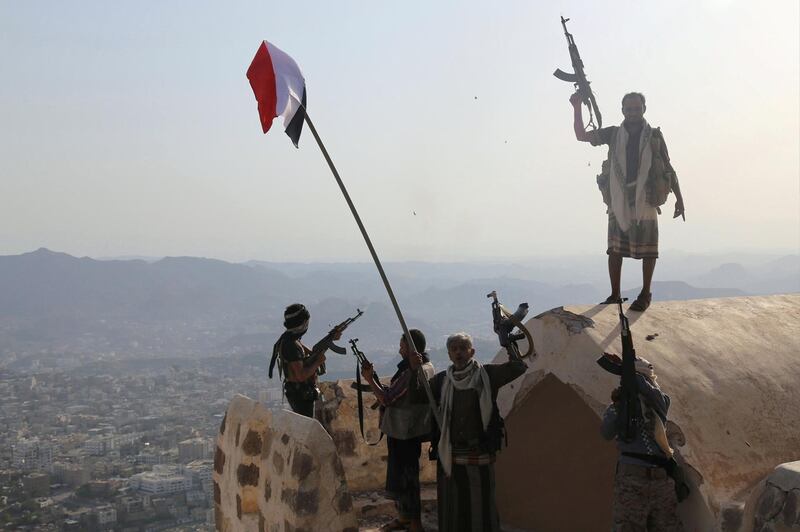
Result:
406,333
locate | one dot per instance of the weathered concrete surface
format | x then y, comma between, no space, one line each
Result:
729,365
278,471
774,505
364,465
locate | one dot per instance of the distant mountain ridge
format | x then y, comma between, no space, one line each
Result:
186,306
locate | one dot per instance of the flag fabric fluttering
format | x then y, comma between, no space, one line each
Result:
279,88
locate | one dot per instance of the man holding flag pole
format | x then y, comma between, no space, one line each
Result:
279,88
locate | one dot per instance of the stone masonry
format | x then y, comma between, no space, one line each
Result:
278,472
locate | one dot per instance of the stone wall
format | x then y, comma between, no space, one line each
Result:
364,465
278,471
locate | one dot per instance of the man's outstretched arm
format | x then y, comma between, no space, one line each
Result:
580,129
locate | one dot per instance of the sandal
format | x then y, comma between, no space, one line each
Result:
642,302
611,300
395,524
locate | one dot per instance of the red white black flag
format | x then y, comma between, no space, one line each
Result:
280,89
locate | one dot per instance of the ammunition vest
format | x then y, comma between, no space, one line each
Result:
660,178
406,418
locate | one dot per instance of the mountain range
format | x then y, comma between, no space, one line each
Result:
52,303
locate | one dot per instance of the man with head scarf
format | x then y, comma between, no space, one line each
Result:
298,368
471,434
406,421
644,492
635,181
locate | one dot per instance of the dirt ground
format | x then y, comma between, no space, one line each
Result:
374,509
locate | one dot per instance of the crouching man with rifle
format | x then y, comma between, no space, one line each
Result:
299,365
648,483
406,421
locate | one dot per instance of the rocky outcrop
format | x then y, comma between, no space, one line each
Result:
729,365
774,506
364,464
276,470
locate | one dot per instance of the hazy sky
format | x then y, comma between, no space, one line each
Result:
129,128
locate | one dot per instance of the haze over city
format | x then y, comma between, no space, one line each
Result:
151,238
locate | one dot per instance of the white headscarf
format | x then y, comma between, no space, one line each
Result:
645,368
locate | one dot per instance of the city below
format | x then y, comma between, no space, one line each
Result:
128,453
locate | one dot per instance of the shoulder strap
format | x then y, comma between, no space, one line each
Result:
657,141
276,352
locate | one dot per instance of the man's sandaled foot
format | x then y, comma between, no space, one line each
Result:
612,300
642,302
395,524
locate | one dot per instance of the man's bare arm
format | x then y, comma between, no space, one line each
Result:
680,210
297,372
580,130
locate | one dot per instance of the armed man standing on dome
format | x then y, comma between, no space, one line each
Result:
635,182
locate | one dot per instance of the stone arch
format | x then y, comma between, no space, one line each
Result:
557,472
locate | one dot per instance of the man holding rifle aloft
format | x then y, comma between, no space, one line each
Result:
472,432
635,182
406,421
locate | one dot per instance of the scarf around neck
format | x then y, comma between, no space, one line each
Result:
657,427
472,377
623,212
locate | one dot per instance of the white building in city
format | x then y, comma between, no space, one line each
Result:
162,480
201,474
32,454
194,449
99,445
106,516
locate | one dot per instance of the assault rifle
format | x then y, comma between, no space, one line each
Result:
504,323
629,408
361,360
579,79
327,343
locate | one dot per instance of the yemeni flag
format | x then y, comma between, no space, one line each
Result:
280,89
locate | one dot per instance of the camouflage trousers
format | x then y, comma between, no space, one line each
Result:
644,500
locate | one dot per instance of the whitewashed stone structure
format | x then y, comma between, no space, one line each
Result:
731,367
278,471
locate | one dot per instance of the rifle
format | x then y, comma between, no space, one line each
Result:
579,79
327,343
504,323
361,359
630,408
